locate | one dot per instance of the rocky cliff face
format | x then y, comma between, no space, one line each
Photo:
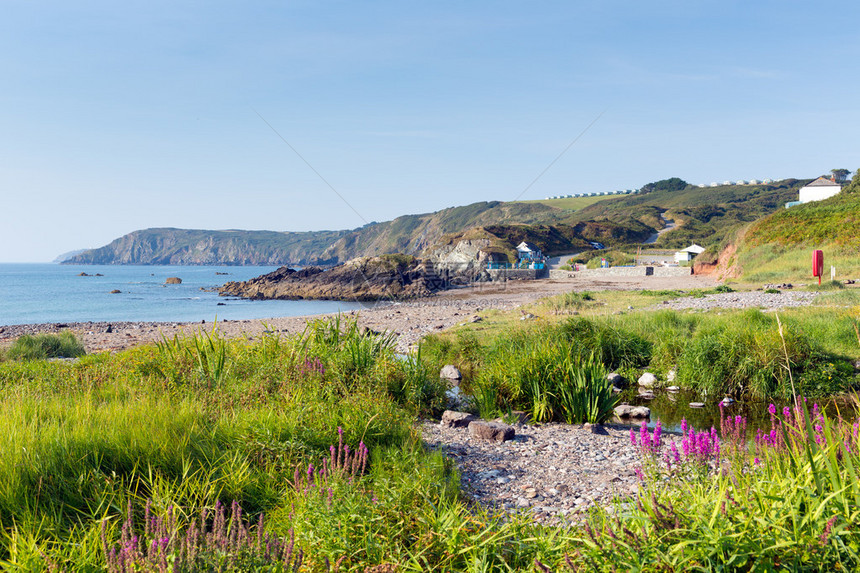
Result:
199,247
391,277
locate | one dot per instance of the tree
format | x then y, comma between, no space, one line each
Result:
854,186
673,184
840,174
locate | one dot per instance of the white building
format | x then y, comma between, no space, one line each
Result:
821,188
688,254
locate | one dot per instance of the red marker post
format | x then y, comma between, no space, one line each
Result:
818,264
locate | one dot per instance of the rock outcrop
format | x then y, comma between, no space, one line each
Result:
394,277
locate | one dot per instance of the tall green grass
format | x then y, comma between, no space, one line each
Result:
738,353
42,346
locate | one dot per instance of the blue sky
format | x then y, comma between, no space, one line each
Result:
116,116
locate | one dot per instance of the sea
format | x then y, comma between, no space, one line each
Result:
34,293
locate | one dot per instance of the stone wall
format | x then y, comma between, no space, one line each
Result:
517,274
623,272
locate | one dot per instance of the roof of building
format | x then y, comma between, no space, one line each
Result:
694,249
526,246
824,182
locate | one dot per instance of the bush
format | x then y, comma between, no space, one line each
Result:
44,346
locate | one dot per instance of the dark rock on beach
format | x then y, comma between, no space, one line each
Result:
392,277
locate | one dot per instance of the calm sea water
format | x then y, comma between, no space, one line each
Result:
39,293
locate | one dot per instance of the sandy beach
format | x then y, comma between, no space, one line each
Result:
409,320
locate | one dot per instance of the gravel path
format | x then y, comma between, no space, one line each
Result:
554,471
753,299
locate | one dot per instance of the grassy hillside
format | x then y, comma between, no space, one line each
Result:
568,203
779,247
702,215
412,234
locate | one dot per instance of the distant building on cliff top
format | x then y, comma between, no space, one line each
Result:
820,189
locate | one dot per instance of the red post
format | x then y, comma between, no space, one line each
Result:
818,264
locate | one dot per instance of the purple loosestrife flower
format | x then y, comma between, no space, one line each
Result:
772,409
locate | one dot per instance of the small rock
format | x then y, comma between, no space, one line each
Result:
616,380
697,404
670,376
647,380
523,502
450,372
628,411
173,281
115,291
728,401
452,419
673,389
492,431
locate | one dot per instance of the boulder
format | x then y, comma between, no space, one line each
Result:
492,431
452,419
647,380
617,380
628,411
173,281
450,372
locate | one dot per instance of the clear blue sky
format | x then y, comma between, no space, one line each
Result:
116,116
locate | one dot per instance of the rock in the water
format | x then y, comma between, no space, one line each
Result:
647,380
628,411
452,419
673,389
173,281
450,372
697,404
617,380
493,431
83,275
115,291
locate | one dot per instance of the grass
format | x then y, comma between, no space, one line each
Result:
734,352
569,203
300,452
43,346
773,263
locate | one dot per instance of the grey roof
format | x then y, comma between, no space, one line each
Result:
824,182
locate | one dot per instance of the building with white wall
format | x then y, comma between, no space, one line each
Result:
820,189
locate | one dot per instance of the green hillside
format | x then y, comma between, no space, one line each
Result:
779,247
703,215
707,216
410,234
568,203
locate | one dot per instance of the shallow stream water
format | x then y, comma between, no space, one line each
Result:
671,407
